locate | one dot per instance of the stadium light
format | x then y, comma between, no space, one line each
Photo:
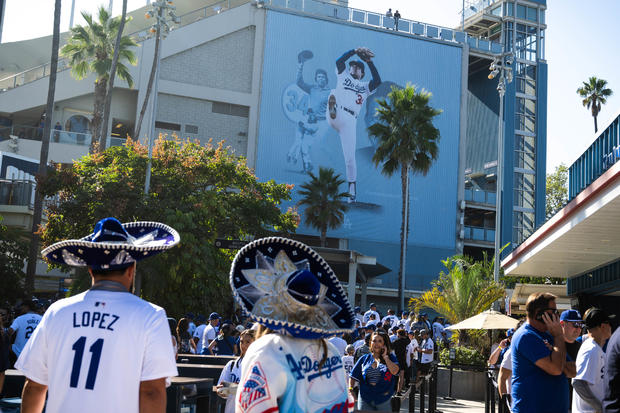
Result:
499,67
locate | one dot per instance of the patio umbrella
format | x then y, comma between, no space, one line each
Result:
486,320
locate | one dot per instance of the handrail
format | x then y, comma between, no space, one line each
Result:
11,82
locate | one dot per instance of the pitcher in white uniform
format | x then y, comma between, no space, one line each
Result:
295,297
344,105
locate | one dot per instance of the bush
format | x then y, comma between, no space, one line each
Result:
464,355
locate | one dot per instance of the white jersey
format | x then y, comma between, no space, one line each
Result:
209,334
198,334
350,93
393,320
339,343
348,362
427,345
507,364
411,353
591,369
24,326
437,331
367,316
92,350
281,374
232,374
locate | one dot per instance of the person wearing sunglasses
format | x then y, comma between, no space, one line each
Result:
572,325
539,368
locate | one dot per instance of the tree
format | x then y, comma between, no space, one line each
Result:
466,289
557,190
325,204
203,192
407,141
90,49
594,93
14,246
33,252
108,99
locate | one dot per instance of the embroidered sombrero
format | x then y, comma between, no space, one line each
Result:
286,286
114,245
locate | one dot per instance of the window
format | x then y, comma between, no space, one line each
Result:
509,8
521,11
524,190
532,14
522,226
191,129
525,152
230,109
168,126
525,75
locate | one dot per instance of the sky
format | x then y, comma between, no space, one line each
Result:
581,42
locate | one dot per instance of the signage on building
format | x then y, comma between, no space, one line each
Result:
491,164
230,244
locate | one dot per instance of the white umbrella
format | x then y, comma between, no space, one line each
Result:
486,320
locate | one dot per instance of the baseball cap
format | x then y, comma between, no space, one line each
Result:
510,332
424,315
570,315
594,317
371,327
423,331
240,328
214,316
358,309
405,313
189,315
200,318
372,305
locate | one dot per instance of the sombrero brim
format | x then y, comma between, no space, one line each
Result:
151,239
276,308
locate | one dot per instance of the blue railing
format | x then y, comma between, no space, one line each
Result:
479,234
479,196
600,156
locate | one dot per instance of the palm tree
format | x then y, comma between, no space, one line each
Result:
466,289
33,251
325,204
407,141
594,93
108,100
90,49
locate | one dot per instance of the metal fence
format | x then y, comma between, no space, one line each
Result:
36,133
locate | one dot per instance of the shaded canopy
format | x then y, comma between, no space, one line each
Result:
486,320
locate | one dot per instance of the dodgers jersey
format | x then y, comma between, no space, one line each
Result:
350,93
232,374
24,326
281,373
95,348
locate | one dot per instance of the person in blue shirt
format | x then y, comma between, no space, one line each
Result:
539,367
377,374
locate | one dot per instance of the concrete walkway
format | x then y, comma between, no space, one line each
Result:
447,406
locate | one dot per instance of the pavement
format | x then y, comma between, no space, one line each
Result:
447,406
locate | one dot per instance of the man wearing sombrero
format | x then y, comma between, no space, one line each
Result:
295,297
105,350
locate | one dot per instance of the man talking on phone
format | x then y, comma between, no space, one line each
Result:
540,369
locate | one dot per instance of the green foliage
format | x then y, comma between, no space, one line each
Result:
594,93
464,355
325,204
557,190
407,141
90,48
203,192
466,289
14,246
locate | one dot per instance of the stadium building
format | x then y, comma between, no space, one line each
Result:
258,75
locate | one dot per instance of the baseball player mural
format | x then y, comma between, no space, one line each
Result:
345,103
306,104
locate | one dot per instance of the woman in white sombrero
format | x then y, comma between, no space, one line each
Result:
296,298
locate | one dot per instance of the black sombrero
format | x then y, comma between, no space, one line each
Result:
286,286
114,245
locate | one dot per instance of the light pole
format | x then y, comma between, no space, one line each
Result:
163,11
500,65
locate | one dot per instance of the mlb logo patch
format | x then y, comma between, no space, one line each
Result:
254,389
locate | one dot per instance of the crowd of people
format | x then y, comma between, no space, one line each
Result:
548,364
297,343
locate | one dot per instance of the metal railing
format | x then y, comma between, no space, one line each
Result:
315,7
480,196
139,36
479,234
36,133
379,20
17,192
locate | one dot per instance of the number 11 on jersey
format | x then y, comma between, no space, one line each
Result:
95,349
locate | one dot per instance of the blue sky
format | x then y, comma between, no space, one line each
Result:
581,42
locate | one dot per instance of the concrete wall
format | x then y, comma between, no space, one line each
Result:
200,113
58,152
